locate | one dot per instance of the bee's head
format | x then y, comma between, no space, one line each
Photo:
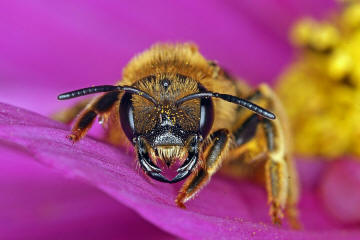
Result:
166,133
167,120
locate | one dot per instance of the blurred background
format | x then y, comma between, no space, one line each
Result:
49,47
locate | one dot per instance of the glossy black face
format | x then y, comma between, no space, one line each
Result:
169,130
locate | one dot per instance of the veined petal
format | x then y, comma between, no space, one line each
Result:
39,203
225,208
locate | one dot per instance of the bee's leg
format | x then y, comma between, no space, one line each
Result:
213,157
67,115
280,173
276,172
101,105
281,176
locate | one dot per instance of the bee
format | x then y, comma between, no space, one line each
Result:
177,108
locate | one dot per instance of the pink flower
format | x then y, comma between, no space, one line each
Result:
48,48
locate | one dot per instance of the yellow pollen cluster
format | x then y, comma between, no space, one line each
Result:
169,111
321,88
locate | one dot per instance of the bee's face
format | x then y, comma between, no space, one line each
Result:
166,132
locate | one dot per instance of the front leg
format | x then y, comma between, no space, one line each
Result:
101,105
68,114
214,155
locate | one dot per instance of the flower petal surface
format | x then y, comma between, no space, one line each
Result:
226,208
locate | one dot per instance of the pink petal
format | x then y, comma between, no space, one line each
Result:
242,212
340,190
37,203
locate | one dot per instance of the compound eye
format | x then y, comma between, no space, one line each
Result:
206,116
126,111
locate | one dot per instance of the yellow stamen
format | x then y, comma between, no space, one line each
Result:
321,89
